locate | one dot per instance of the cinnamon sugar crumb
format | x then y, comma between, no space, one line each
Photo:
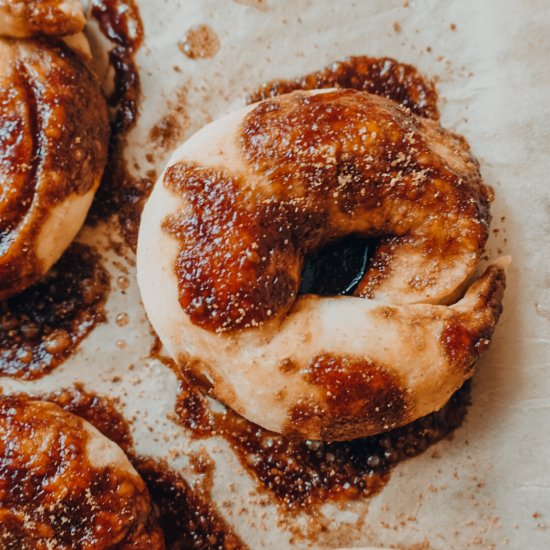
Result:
170,129
200,42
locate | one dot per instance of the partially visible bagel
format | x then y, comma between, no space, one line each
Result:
223,238
64,485
54,132
26,18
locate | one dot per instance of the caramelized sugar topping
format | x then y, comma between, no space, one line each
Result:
53,144
331,165
44,325
121,193
354,389
381,76
53,495
307,474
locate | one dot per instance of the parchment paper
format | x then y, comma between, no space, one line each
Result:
490,486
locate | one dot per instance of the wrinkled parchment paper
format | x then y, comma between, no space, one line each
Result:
490,485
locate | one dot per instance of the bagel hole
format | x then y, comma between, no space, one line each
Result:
337,269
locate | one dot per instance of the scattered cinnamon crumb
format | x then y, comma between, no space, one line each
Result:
200,42
169,130
261,5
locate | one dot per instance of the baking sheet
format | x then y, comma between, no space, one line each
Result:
490,485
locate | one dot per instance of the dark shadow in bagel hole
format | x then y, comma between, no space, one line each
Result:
337,269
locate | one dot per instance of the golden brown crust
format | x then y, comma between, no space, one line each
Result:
55,494
53,146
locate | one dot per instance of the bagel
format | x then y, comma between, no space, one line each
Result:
64,485
24,18
223,238
53,150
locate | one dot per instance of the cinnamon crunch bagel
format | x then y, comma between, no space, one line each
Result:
54,131
64,485
223,239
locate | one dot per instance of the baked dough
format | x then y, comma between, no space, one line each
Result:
54,132
64,485
225,231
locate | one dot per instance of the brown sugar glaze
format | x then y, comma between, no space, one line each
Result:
44,325
331,165
354,389
304,475
246,293
121,194
101,412
44,86
381,76
41,327
46,17
187,516
53,494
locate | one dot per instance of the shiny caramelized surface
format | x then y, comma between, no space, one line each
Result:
51,493
308,474
43,325
228,277
354,389
187,514
53,144
464,343
318,168
121,193
382,76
